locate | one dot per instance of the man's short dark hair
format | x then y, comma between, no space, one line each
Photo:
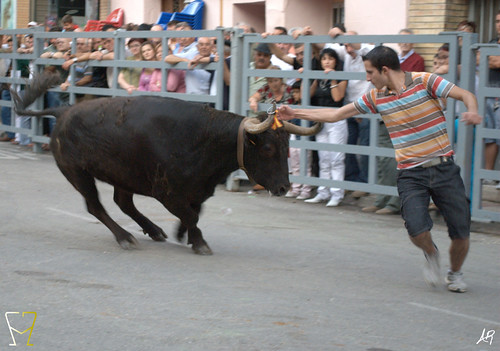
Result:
381,56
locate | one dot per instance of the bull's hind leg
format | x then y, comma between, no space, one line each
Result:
85,184
124,200
189,215
181,229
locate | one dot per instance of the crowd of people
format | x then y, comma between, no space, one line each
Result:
326,57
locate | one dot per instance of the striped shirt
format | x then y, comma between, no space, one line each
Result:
415,119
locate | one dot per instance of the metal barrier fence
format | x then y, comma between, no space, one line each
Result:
241,56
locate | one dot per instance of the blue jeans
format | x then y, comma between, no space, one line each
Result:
354,171
6,112
443,183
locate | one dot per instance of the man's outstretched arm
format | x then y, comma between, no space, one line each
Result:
286,113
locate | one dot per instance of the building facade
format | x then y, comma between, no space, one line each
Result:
363,16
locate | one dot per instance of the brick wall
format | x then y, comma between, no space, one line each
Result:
104,9
22,13
433,17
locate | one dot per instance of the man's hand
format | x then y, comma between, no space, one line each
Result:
286,113
471,118
64,86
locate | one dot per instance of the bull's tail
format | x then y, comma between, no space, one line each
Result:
37,87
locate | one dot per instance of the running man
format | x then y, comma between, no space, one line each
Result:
409,105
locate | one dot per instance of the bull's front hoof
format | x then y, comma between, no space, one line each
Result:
203,250
158,236
129,243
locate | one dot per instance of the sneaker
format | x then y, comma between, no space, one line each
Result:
315,200
291,193
455,282
303,196
431,269
333,202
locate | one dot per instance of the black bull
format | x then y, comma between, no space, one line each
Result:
173,150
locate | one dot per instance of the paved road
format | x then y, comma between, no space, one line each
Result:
284,276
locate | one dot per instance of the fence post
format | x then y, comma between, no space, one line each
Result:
464,133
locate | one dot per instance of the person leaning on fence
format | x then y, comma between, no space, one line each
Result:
128,78
150,79
82,72
274,90
407,102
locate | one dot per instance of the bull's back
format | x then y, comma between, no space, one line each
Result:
130,142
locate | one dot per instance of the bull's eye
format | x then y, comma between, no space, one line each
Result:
268,150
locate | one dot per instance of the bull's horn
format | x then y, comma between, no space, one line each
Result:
304,131
254,126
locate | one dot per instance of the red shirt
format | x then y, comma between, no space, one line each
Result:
414,63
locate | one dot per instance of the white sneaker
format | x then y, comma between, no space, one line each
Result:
455,282
315,200
291,193
431,269
333,202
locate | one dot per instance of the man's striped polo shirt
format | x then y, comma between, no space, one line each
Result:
414,119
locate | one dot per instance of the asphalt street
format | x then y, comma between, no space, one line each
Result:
285,275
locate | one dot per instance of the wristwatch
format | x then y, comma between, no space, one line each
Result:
75,59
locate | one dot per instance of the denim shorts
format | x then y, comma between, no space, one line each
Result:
444,185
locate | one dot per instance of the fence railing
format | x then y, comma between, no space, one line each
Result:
241,56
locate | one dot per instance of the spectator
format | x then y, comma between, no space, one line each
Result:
128,78
6,112
83,72
409,60
176,78
156,28
184,44
492,111
67,24
285,49
102,77
358,128
262,60
442,55
59,50
298,191
198,81
27,45
172,42
150,79
274,90
330,92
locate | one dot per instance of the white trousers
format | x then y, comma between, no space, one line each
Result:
331,163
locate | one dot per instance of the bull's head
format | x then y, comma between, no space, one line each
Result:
263,152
